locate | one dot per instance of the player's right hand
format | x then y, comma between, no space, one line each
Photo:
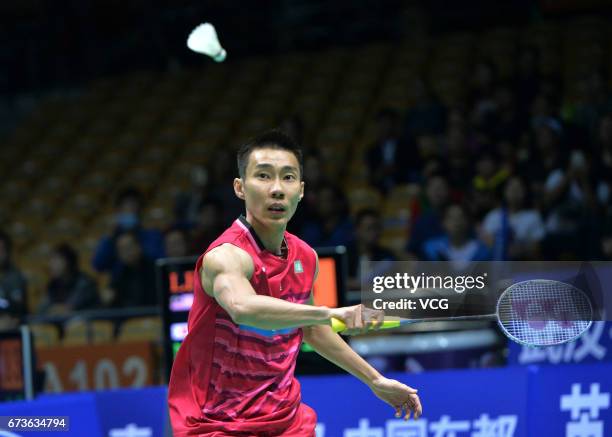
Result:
358,318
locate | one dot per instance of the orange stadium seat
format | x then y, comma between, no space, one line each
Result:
75,332
79,332
140,329
102,331
45,334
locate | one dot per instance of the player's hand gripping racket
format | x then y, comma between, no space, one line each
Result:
537,312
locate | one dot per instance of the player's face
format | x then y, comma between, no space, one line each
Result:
271,187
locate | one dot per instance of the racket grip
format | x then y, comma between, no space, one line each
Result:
339,326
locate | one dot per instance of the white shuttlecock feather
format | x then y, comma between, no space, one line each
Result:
203,39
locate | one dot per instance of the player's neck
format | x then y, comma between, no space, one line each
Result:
271,237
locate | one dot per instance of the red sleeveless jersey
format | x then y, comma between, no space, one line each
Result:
236,380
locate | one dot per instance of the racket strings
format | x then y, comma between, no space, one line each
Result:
544,312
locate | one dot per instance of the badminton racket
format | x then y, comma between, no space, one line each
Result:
537,312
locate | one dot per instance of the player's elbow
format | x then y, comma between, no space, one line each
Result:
240,313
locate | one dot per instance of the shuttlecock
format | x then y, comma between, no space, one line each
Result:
203,39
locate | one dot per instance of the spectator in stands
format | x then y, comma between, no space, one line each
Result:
458,244
505,122
604,136
128,209
592,99
428,224
575,199
483,103
390,160
222,166
134,284
574,185
527,82
175,243
187,203
208,225
514,230
426,115
12,287
490,176
429,154
545,156
366,246
603,165
606,246
331,226
458,165
69,289
315,178
508,154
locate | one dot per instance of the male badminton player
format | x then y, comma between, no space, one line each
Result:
233,375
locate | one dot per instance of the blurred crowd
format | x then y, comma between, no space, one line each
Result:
517,171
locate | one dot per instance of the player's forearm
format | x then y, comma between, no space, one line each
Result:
270,313
330,345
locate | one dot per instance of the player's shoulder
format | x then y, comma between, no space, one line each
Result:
227,257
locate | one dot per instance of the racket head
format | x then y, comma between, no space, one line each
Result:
543,312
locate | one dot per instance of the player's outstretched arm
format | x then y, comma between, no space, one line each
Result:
225,275
328,344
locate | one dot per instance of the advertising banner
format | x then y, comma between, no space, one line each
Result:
468,403
517,401
97,367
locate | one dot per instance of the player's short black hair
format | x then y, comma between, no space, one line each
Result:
273,139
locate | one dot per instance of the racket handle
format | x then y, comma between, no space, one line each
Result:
339,326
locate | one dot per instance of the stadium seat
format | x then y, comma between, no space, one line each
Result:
45,334
53,187
102,331
75,332
140,329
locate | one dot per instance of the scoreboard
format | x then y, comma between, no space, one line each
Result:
175,279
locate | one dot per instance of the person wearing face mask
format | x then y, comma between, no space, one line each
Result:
134,284
128,208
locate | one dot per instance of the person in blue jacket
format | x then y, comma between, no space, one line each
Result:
128,210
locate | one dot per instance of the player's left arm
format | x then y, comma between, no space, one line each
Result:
332,347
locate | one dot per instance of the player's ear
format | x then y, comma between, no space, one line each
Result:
301,190
239,188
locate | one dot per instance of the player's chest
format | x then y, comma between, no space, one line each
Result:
287,281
